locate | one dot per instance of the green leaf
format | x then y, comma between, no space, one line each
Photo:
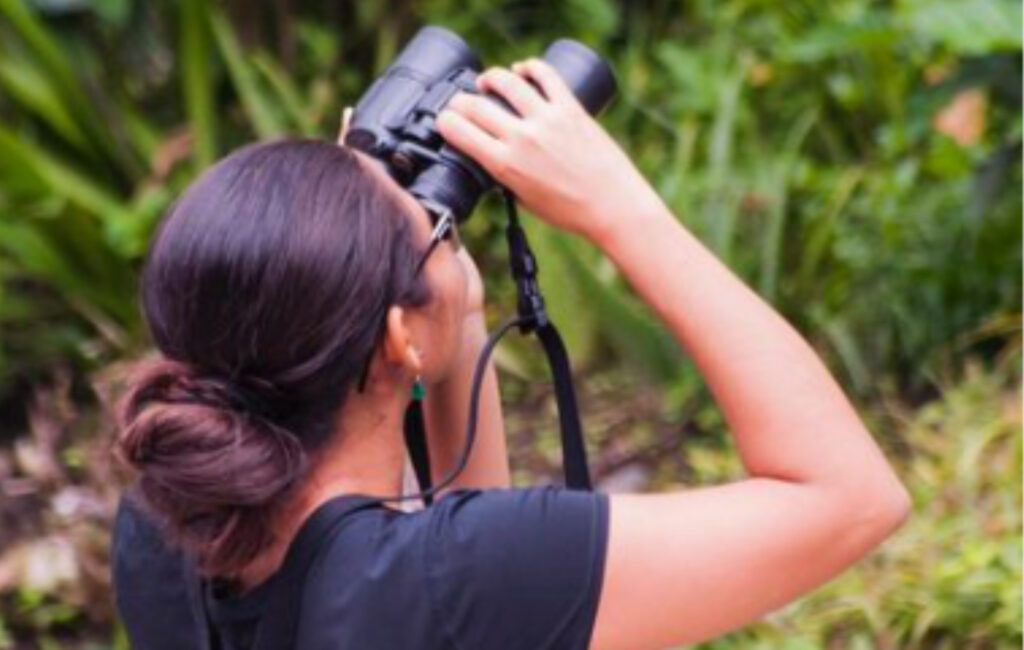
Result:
255,101
568,306
29,86
771,255
288,94
62,75
967,27
624,323
61,178
868,32
848,349
122,226
593,19
820,232
197,79
721,208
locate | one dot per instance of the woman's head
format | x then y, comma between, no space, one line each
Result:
268,287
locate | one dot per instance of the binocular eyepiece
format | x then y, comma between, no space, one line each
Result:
394,121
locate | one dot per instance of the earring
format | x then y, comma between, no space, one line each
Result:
419,389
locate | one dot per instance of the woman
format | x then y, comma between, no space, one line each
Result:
290,269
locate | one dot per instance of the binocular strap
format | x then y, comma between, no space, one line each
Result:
574,453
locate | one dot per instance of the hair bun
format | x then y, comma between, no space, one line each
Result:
173,382
210,467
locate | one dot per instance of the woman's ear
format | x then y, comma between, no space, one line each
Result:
398,345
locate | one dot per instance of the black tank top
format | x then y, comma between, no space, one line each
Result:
478,569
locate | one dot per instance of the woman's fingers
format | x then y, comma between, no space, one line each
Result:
485,113
460,132
523,97
545,76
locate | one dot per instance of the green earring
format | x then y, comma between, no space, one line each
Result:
419,389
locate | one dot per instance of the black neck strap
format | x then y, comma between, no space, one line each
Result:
278,627
279,624
532,318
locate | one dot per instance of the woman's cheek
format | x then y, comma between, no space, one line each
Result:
455,315
464,281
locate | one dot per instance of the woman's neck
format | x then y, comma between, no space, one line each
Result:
365,455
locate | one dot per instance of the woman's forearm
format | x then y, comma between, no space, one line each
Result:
446,411
790,419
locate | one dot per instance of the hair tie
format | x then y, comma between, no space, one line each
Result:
258,396
244,394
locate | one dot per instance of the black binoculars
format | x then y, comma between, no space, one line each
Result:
394,121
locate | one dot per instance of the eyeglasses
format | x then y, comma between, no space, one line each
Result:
444,229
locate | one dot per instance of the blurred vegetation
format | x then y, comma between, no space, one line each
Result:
857,161
952,577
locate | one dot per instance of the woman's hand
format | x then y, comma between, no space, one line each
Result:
557,160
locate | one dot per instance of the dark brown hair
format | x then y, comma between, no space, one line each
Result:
265,289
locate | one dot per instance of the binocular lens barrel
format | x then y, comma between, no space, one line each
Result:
433,53
383,109
392,120
588,76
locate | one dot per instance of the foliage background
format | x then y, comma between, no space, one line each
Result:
857,161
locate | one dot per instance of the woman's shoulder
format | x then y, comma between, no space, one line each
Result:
529,519
479,567
497,568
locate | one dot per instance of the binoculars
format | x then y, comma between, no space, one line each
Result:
394,121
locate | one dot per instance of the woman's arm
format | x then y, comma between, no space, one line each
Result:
446,406
820,493
690,565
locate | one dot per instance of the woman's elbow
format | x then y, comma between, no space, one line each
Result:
867,509
896,507
880,511
875,499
